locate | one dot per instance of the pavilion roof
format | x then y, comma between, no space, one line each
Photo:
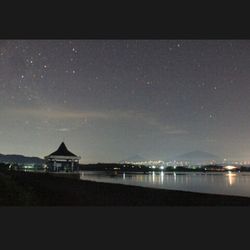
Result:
62,151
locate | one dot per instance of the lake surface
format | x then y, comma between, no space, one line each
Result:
229,183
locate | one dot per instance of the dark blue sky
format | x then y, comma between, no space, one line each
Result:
110,99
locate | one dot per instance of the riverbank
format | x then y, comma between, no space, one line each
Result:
40,189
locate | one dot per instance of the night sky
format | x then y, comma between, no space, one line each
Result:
111,99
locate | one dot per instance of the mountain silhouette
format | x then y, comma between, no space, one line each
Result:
196,155
134,158
20,159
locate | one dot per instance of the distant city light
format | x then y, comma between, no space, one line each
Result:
230,167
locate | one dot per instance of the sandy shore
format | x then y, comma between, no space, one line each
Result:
36,189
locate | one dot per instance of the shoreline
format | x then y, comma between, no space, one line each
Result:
36,189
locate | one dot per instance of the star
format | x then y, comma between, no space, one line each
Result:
211,116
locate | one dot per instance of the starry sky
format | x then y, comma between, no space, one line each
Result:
111,99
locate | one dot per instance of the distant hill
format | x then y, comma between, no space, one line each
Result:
196,156
21,159
134,158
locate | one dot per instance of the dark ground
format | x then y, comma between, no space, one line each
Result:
38,189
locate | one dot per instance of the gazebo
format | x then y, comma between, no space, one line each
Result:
62,160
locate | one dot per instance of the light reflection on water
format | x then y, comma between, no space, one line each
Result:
231,183
231,178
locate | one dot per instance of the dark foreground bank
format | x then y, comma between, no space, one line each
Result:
37,189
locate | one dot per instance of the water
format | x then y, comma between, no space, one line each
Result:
229,183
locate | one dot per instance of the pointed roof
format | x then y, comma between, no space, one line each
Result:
62,151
